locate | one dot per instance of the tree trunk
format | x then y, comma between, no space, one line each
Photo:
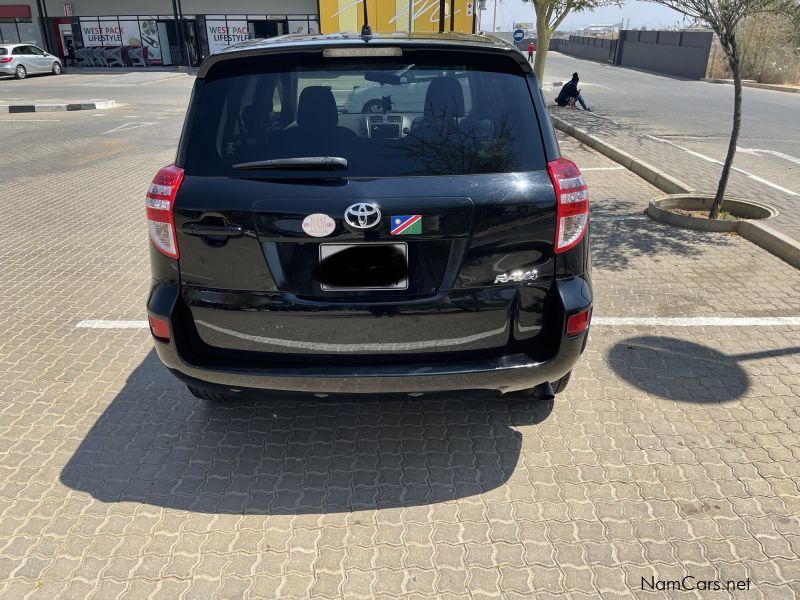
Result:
542,44
733,60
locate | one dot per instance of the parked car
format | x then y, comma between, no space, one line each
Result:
403,91
21,60
296,247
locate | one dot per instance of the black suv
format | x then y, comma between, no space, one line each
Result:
297,246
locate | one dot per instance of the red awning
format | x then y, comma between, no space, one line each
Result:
15,11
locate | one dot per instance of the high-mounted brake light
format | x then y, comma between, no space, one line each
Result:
362,52
572,196
159,202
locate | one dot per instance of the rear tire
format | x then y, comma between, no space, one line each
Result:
21,72
372,107
57,69
208,395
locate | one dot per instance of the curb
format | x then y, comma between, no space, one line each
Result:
656,177
760,86
748,211
29,108
774,242
764,236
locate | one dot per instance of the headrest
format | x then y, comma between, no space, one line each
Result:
317,108
445,99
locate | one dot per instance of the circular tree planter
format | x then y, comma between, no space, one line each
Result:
662,209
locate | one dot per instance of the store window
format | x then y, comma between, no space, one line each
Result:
128,40
14,31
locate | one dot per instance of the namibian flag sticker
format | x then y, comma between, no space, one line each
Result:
406,224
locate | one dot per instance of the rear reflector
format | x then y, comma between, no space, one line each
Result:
573,203
159,328
577,323
158,205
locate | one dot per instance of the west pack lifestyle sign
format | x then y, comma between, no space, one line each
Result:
225,33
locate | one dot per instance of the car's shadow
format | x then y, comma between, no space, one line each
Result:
158,445
680,370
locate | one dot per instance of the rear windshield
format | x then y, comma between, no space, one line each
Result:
3,51
415,115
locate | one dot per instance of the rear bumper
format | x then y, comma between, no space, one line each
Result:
8,69
506,373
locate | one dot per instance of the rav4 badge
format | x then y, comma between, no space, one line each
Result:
517,276
318,225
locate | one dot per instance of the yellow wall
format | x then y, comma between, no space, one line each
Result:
391,15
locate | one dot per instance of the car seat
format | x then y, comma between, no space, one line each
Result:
444,106
318,130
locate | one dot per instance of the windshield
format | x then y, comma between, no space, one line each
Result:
383,117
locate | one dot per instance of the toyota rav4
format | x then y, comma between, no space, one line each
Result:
438,245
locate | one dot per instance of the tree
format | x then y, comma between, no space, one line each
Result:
724,17
549,15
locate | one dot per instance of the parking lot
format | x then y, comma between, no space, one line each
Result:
673,453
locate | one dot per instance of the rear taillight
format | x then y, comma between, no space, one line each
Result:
159,204
573,203
6,59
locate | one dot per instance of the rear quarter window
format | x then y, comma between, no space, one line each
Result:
423,114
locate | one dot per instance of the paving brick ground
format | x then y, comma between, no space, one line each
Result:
699,174
673,452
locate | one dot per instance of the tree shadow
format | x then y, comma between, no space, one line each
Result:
156,444
617,243
682,371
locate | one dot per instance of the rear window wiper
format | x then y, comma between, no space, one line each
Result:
305,163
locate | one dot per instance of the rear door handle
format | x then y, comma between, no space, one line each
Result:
205,230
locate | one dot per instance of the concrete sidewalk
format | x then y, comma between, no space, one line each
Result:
696,171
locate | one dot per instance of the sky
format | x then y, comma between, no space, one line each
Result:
648,14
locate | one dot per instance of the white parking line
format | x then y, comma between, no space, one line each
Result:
129,126
601,219
103,324
719,162
696,321
602,169
760,151
596,321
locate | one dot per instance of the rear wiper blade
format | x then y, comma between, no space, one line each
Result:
305,163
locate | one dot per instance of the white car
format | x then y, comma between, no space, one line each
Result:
21,60
400,92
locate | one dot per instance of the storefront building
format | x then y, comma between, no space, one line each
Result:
144,33
149,32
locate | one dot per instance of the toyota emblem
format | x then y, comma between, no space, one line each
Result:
363,215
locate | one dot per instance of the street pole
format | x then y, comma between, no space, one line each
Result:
44,27
185,37
441,15
452,15
494,18
179,27
410,15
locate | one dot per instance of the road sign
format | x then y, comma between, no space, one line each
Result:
470,8
519,35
